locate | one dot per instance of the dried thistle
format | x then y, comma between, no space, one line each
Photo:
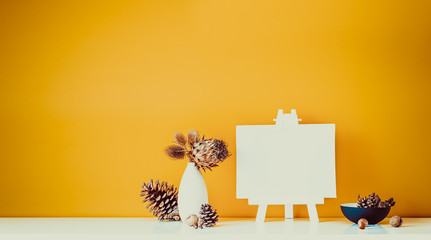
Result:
175,151
205,153
180,139
208,153
192,136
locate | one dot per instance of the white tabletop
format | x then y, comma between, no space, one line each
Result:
227,228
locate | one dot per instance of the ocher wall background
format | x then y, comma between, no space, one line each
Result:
92,91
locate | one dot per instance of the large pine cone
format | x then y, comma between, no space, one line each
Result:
208,216
163,200
207,153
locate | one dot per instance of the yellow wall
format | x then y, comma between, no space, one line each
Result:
92,91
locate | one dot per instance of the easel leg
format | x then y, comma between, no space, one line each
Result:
288,211
312,212
261,212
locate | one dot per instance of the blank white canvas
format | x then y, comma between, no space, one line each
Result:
280,164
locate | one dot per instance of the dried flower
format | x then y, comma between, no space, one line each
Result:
205,153
175,151
180,139
192,137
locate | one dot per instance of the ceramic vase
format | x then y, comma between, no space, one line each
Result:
192,192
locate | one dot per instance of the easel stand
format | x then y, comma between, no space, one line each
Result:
288,212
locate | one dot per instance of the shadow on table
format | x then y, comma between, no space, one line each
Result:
370,229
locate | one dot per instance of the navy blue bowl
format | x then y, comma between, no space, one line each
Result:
373,215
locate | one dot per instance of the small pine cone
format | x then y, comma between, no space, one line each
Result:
208,153
362,202
163,200
373,200
201,223
388,203
208,216
383,204
391,202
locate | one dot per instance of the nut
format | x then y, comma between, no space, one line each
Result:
192,221
396,221
362,223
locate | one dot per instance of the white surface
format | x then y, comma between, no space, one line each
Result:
287,163
150,228
192,192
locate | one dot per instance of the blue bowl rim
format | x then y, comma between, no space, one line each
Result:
354,205
351,205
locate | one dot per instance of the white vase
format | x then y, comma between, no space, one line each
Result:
192,192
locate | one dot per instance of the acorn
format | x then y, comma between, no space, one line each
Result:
192,221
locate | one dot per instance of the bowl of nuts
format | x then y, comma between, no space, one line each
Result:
370,208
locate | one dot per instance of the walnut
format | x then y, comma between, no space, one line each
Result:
396,221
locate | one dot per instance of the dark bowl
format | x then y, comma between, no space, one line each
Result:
373,215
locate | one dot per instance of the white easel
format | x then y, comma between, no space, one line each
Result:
287,120
287,130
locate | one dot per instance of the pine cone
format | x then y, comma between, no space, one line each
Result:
362,201
388,203
391,202
208,216
208,153
163,200
374,201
